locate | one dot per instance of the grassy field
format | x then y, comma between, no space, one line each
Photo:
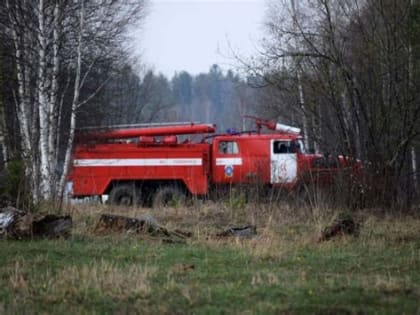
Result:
284,270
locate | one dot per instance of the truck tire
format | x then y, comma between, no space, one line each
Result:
169,196
123,194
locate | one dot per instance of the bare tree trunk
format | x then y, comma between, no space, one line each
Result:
54,112
411,84
414,168
302,107
22,100
24,60
43,107
3,135
299,80
75,102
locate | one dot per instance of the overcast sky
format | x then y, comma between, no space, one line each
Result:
192,35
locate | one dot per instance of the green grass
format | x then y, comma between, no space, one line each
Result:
284,270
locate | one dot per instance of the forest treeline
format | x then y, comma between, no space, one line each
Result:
217,96
346,71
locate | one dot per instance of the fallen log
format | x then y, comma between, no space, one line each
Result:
52,226
18,224
146,225
118,223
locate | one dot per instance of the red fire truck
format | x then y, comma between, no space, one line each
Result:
158,163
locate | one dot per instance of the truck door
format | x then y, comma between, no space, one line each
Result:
227,163
283,162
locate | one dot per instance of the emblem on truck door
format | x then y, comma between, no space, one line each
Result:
228,170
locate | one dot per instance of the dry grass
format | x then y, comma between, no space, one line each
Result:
208,212
282,269
280,227
78,283
276,223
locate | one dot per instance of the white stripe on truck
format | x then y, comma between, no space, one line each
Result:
228,161
138,162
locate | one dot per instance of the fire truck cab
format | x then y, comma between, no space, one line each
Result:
256,158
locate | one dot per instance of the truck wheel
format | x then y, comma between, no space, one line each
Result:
122,195
168,196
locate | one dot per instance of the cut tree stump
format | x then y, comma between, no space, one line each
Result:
343,225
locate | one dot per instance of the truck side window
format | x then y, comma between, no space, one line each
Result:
280,147
228,147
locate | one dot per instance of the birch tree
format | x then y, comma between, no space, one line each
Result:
57,44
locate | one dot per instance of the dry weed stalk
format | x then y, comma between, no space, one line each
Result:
265,278
18,281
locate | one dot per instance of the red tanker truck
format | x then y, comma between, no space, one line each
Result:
157,163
